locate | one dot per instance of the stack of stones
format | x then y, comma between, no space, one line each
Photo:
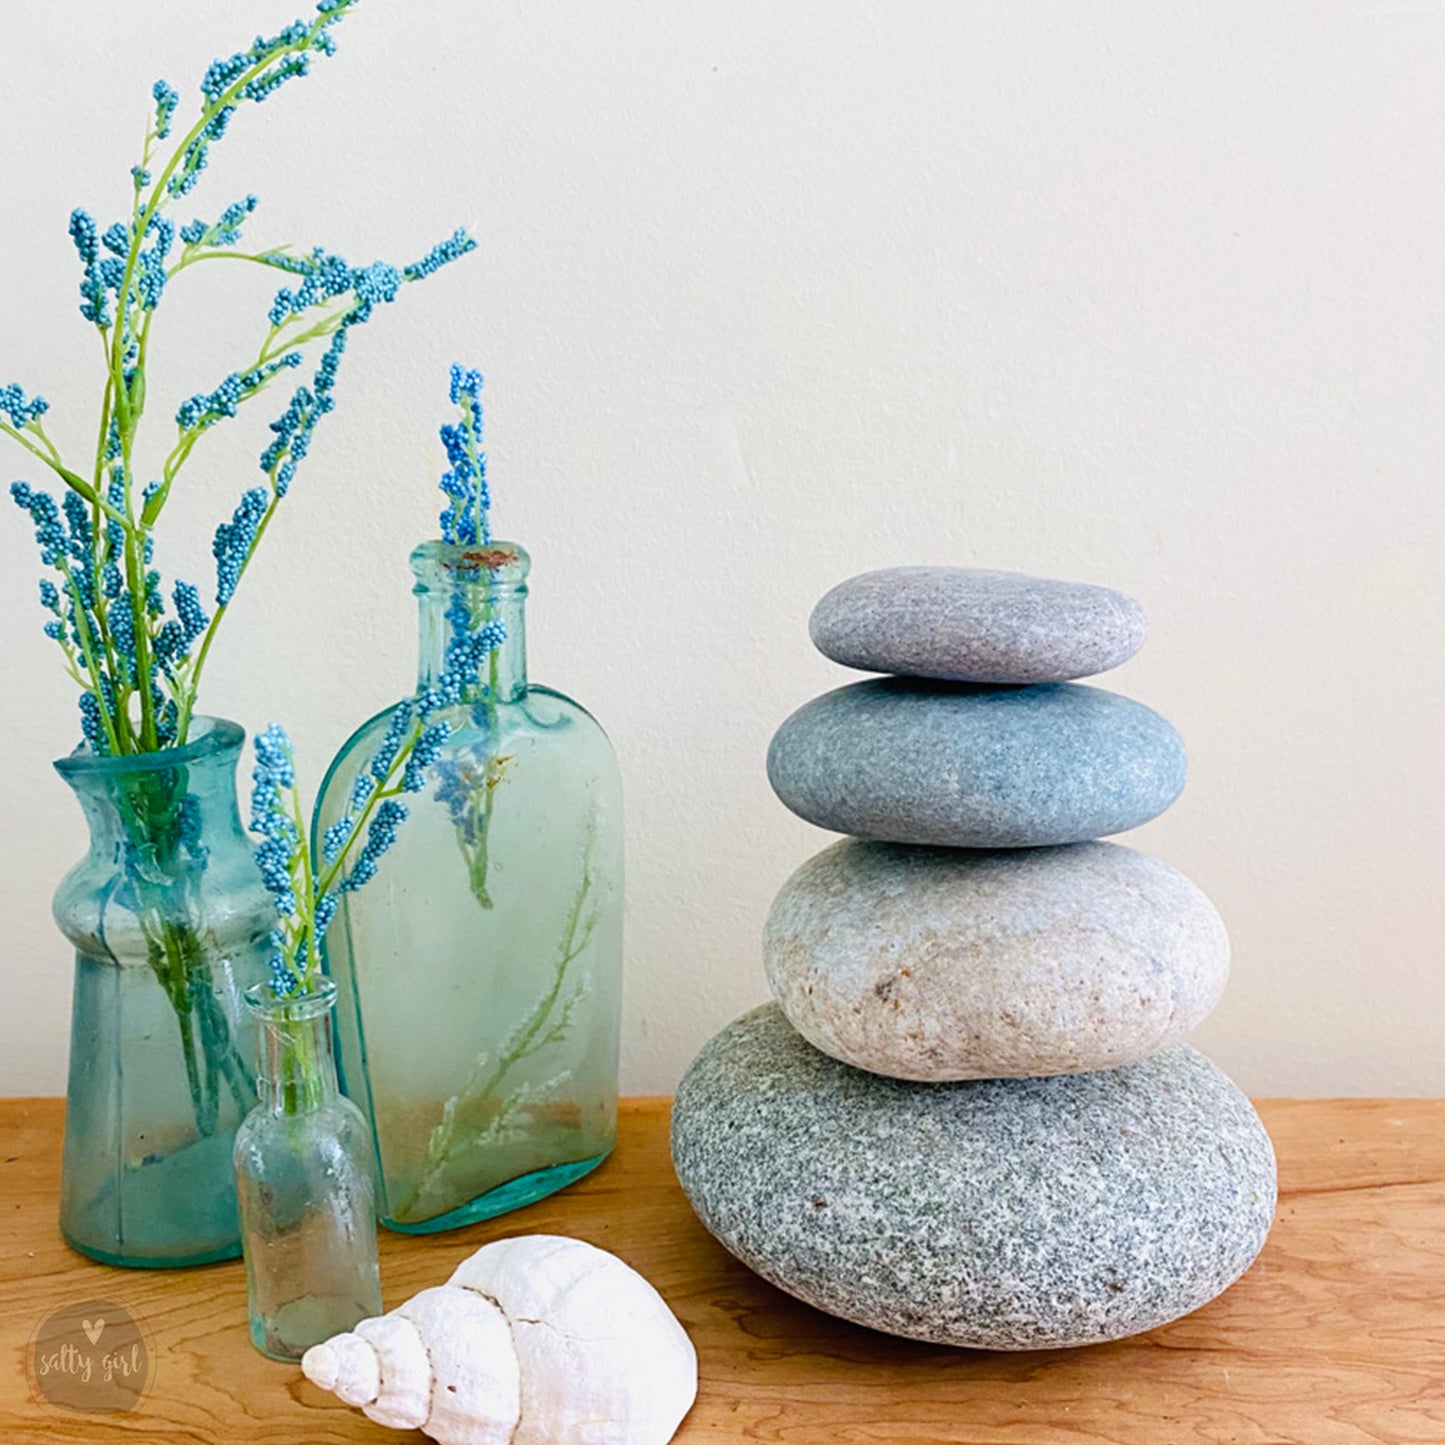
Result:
969,1117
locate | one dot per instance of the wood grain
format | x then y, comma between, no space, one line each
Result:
1335,1337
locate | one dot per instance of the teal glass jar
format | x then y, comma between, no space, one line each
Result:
170,925
305,1184
479,973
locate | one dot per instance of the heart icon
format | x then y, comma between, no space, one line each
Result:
92,1329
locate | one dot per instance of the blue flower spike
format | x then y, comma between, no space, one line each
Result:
135,644
308,890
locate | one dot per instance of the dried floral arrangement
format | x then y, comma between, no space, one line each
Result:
138,663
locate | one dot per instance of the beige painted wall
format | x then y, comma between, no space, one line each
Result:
768,294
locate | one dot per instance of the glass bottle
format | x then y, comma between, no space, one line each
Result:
170,924
479,973
304,1175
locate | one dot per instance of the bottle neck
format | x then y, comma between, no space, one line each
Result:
160,814
295,1065
503,674
469,587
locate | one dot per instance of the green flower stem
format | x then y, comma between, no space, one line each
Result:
180,453
478,855
91,646
38,428
147,145
128,401
333,874
481,523
168,961
87,647
481,864
134,542
158,196
308,886
72,663
177,950
388,789
102,442
299,938
71,479
193,255
135,702
135,582
575,938
300,1082
193,673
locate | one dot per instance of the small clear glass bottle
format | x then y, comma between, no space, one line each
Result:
306,1184
480,971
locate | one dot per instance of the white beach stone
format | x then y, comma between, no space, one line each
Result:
936,964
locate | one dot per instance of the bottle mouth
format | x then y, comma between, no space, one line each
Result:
211,737
500,565
320,999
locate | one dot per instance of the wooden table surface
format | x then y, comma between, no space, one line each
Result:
1336,1335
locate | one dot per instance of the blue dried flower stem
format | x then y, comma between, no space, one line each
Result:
125,395
139,670
307,889
466,521
285,457
32,437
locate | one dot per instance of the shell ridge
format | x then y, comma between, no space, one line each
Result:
492,1300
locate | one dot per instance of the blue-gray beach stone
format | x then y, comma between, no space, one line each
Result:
939,963
968,624
963,765
1008,1214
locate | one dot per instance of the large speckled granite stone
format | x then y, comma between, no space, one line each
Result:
1008,1214
938,964
968,766
966,624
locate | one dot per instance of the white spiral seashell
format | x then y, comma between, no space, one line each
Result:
535,1340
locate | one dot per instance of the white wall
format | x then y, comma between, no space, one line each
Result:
771,293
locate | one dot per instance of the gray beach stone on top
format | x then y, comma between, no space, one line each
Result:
964,765
970,624
939,964
1007,1214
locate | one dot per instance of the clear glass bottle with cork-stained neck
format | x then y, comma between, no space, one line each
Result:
479,974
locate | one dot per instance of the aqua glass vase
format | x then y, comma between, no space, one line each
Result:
304,1175
170,924
479,972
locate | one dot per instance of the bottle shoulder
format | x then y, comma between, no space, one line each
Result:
216,899
540,712
548,706
334,1128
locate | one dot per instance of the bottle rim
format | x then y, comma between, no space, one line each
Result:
211,737
318,1000
498,564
